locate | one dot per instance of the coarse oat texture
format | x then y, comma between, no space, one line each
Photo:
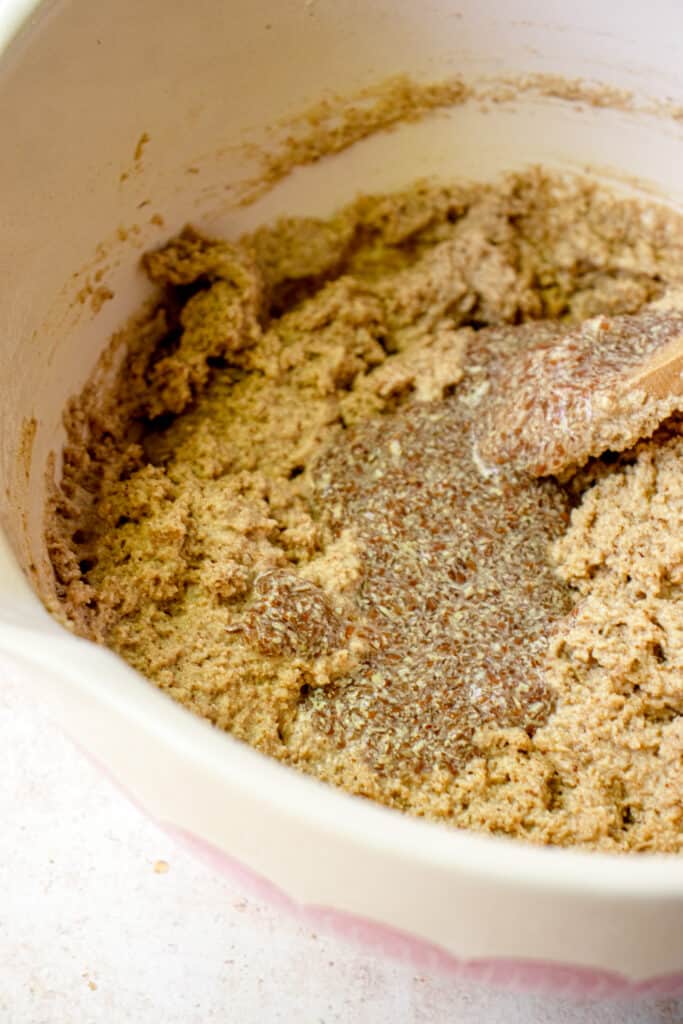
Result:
284,513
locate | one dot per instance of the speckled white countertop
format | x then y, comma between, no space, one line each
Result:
103,920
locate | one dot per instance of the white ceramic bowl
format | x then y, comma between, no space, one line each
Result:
80,84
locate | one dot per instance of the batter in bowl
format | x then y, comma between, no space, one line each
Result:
299,512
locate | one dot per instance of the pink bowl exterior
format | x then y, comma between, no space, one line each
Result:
513,975
523,976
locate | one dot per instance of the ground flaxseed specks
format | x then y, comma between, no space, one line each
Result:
457,588
567,397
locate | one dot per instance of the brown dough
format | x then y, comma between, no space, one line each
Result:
189,531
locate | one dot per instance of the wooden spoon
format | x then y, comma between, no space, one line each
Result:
601,386
661,375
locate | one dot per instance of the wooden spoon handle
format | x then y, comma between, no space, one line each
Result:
662,374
